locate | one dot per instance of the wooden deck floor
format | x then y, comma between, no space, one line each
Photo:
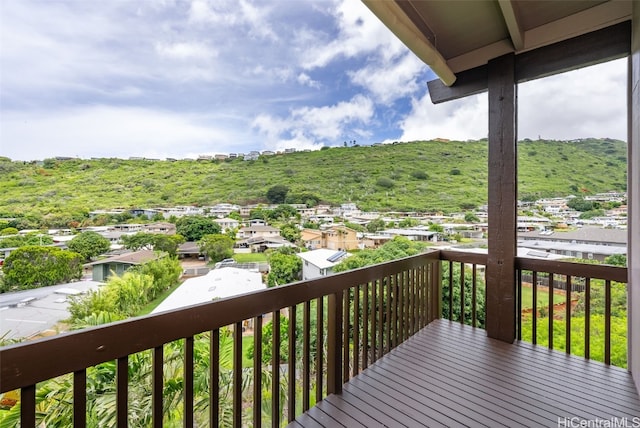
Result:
453,375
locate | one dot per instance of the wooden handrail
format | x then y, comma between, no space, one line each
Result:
22,363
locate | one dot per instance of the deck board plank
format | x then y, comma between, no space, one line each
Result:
453,375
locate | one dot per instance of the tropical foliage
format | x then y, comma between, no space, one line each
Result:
89,244
34,266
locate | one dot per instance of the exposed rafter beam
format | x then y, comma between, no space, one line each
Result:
392,15
511,19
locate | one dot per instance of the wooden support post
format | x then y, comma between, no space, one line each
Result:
502,241
334,344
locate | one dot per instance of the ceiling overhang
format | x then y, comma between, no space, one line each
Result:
454,36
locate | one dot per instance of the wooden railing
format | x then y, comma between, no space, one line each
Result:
572,307
584,314
195,355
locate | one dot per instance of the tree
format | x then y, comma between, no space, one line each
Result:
616,260
283,268
399,247
375,225
580,204
283,213
89,244
194,227
290,232
156,241
471,218
216,246
9,231
277,194
34,266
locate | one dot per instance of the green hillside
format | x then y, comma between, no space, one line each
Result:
424,176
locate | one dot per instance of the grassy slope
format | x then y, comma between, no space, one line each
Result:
335,175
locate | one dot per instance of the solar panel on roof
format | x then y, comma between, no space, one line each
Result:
337,256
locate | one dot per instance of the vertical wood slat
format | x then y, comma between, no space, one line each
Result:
462,302
587,318
365,326
380,286
551,310
291,403
450,300
306,357
607,322
534,294
567,315
214,373
275,371
356,330
372,314
474,298
436,291
80,398
401,314
319,364
388,324
158,364
412,301
334,343
28,407
237,374
187,389
257,371
518,303
420,291
122,388
345,334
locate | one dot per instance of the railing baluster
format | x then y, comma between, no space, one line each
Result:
214,373
387,321
534,293
345,334
319,347
412,295
568,314
257,371
306,351
237,374
587,317
462,301
518,303
373,321
122,388
356,330
291,358
474,298
158,384
28,407
607,322
188,382
380,286
365,326
334,343
551,310
401,282
450,290
275,371
80,398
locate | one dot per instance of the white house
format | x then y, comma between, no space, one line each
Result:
217,284
320,262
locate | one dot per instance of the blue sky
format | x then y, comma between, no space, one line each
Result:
182,78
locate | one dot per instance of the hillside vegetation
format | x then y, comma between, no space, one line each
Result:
423,176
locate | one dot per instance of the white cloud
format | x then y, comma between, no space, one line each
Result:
389,79
305,80
326,124
233,13
590,102
186,51
359,33
111,131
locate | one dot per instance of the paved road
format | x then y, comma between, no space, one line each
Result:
24,314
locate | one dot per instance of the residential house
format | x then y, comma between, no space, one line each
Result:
164,228
227,223
258,232
320,262
333,238
103,269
